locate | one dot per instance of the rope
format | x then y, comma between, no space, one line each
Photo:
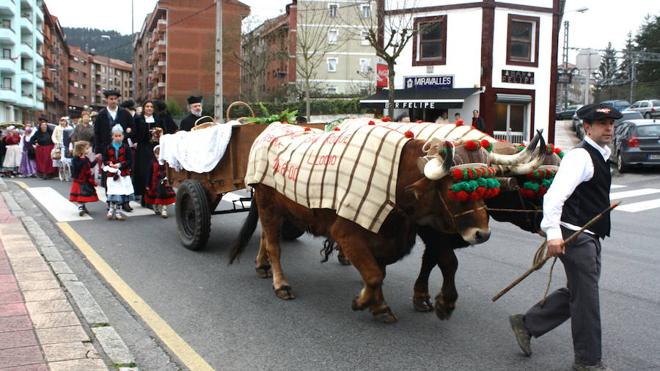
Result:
547,288
514,210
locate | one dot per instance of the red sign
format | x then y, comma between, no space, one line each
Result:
382,73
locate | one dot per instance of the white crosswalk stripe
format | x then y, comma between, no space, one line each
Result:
617,186
633,193
59,207
638,206
138,210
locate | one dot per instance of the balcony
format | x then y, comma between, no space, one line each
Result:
26,24
26,49
39,59
27,77
8,8
38,82
7,65
7,36
161,26
40,36
8,95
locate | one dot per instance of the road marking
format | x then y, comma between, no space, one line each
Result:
617,186
60,208
138,210
634,193
640,206
21,184
167,335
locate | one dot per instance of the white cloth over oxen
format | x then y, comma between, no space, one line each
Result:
424,130
353,171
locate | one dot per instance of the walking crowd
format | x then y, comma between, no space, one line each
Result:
116,147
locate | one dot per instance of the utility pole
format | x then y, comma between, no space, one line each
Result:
132,18
565,58
633,72
217,111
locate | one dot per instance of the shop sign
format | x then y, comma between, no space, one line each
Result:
518,77
407,105
382,73
432,82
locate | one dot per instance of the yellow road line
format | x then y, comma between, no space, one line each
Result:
174,342
21,184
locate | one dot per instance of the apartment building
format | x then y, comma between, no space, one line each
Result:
174,52
56,68
21,66
109,74
79,81
322,42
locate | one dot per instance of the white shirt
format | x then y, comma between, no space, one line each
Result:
113,114
576,167
149,119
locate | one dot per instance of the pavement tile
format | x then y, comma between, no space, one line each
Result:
13,309
33,367
38,285
17,339
15,323
34,276
8,287
41,295
69,351
4,278
5,270
66,334
29,355
57,319
51,306
11,297
29,265
78,364
27,252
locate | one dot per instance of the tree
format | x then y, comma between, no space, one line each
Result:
648,71
256,56
625,68
608,68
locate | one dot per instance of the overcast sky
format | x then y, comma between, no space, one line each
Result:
605,20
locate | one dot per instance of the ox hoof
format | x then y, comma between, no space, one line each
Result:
264,271
356,305
284,293
342,259
422,304
443,310
385,315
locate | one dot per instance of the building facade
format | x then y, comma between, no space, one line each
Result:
79,81
21,65
56,68
109,74
497,57
174,53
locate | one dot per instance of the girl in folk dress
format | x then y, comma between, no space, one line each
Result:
117,162
159,193
12,158
83,188
28,166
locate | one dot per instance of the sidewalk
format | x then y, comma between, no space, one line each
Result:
39,329
565,137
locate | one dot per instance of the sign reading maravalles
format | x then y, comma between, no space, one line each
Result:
436,82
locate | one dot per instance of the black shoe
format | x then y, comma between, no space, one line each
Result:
126,207
596,367
81,210
523,336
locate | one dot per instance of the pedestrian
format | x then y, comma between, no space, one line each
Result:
28,167
61,139
478,121
458,121
443,119
83,186
117,163
159,193
107,118
144,154
195,106
12,160
163,118
43,141
84,130
579,192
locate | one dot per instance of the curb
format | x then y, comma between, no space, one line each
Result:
108,338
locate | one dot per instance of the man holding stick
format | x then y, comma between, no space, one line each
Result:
579,192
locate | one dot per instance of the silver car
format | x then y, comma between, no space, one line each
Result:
648,108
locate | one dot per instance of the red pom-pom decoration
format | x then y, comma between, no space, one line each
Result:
459,123
462,196
457,174
386,119
471,145
371,122
308,129
474,196
409,134
557,150
336,128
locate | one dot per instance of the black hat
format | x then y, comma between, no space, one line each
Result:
128,104
42,118
598,111
110,92
193,99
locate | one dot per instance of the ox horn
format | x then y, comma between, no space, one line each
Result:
437,168
526,168
520,157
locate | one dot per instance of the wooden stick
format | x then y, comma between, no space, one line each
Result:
538,265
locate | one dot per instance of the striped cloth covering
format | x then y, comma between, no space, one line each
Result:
353,171
424,130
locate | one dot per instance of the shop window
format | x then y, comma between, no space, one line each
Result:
522,40
332,64
332,10
430,41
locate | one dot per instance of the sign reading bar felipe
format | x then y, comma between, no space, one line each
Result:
429,82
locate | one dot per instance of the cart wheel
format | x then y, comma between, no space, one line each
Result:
290,231
193,217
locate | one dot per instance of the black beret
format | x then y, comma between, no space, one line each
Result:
128,104
193,99
43,118
598,111
110,92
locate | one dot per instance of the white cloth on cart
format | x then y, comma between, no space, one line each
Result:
198,151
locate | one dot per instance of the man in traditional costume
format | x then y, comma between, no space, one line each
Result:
195,106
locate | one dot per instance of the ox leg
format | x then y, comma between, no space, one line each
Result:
262,265
445,301
421,297
271,222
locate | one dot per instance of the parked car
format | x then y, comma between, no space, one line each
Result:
627,115
648,108
636,143
620,105
568,113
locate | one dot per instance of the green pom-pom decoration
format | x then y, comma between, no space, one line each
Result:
532,186
482,182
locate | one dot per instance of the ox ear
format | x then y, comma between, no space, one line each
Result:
419,187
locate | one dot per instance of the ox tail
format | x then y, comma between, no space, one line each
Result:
247,230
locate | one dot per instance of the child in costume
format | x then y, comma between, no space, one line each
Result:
117,161
159,193
83,187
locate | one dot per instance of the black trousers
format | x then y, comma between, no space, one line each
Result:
579,301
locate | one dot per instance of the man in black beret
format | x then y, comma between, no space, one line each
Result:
579,192
129,105
195,106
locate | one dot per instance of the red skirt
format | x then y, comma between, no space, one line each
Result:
162,195
82,193
44,162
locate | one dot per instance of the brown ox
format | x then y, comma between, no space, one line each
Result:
420,199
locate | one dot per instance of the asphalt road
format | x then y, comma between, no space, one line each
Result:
235,322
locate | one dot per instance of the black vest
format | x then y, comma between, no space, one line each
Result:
590,198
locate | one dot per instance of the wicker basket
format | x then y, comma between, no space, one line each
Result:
204,125
236,104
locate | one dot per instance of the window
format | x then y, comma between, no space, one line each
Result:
332,64
6,53
364,38
430,41
365,65
365,10
332,9
332,36
331,90
6,23
6,83
522,40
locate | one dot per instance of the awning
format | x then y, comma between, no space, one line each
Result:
421,98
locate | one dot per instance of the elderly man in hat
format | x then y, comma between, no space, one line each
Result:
579,192
195,106
129,105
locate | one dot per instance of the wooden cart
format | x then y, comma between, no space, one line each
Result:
198,194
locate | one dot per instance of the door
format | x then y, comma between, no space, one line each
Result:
511,122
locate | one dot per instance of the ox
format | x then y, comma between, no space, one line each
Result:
422,198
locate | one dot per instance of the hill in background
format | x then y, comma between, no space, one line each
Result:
118,46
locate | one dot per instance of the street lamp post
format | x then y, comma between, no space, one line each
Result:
565,51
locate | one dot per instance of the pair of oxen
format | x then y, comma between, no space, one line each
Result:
428,204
